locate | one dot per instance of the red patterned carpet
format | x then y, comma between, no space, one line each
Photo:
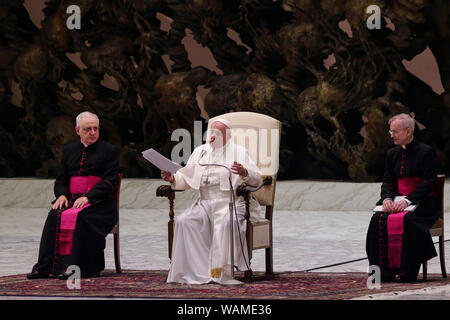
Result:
151,284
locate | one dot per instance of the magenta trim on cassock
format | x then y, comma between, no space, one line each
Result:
81,185
78,185
406,185
395,223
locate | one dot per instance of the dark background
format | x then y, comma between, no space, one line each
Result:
149,67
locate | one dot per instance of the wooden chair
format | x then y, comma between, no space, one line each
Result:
260,134
115,229
437,229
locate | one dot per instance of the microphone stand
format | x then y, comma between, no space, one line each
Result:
232,281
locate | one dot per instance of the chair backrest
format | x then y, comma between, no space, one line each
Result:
116,192
438,189
438,192
116,196
260,135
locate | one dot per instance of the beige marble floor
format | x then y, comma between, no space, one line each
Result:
302,240
309,231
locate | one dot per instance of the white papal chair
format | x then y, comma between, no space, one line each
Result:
260,135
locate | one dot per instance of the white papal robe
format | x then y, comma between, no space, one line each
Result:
201,250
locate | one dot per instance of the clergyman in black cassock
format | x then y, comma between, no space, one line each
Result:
74,233
398,241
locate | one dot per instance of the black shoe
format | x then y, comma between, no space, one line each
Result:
37,275
406,279
91,275
387,276
65,275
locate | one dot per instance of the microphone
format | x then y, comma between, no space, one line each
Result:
214,165
202,155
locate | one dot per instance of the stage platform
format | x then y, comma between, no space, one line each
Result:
316,224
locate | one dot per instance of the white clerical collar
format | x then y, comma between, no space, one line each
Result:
84,144
404,146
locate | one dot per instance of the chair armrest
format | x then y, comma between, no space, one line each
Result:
245,190
164,191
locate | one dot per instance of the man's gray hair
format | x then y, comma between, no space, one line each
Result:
405,119
85,114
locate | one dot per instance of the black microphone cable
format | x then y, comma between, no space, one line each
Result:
238,226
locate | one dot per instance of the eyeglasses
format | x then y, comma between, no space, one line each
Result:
394,132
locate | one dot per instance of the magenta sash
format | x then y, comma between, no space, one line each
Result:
78,185
395,223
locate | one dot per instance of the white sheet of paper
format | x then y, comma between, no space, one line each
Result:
411,207
161,162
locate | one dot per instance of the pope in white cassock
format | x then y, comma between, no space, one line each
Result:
201,246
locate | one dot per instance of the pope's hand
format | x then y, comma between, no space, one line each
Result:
239,169
167,176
